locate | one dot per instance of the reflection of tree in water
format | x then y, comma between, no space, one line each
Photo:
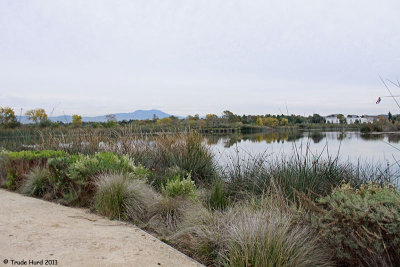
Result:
270,137
212,139
372,136
232,139
317,137
341,136
394,138
293,136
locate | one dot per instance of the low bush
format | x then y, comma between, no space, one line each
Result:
37,183
85,168
61,183
179,186
362,226
19,163
118,196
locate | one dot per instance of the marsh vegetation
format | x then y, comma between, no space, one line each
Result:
263,210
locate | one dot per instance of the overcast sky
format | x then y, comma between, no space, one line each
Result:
201,56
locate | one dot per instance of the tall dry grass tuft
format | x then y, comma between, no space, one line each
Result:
186,151
37,182
154,151
302,172
120,197
254,233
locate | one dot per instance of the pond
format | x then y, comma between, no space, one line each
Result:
383,149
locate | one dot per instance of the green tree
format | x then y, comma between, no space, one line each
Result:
37,115
316,118
341,118
76,120
230,117
7,117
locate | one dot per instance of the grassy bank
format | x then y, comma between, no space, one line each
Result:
294,211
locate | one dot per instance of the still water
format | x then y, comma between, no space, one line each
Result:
381,149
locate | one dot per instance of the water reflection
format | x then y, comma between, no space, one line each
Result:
293,136
271,137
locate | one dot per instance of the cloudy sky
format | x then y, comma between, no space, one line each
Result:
185,57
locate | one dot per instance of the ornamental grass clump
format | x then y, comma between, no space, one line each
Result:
178,195
37,182
120,197
362,226
250,234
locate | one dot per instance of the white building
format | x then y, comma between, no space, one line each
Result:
355,119
368,119
332,118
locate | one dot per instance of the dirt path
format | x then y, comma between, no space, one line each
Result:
33,229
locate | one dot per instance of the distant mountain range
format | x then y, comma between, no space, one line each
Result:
136,115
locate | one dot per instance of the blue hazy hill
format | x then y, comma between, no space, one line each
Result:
136,115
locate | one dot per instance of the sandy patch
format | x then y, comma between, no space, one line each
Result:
33,229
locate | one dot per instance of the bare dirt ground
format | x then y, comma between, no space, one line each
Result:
33,229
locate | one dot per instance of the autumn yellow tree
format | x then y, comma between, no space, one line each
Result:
76,120
166,120
284,122
272,122
211,119
259,121
7,117
36,115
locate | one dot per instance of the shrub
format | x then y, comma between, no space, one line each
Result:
179,186
118,196
58,168
367,128
361,225
37,182
85,168
19,163
3,171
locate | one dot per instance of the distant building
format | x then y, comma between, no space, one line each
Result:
332,118
354,119
367,119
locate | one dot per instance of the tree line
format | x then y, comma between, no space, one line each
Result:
40,118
